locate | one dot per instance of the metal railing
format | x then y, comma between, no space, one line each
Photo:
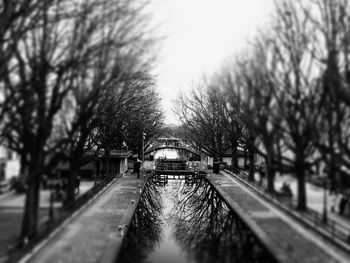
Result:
171,166
27,244
332,229
179,145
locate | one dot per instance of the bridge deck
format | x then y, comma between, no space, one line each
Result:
282,235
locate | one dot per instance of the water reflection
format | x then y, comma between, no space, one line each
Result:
193,223
208,231
145,229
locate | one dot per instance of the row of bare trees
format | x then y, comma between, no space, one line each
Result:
287,97
74,76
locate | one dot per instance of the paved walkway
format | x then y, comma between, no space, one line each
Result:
93,235
315,199
338,227
11,213
284,236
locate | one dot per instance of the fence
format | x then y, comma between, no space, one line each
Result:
171,166
26,245
331,229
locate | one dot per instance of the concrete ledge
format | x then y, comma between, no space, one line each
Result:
280,234
264,239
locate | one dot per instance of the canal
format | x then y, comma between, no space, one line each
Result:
188,223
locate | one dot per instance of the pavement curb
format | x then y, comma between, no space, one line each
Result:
117,251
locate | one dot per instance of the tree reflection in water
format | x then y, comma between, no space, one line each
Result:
202,225
145,229
208,231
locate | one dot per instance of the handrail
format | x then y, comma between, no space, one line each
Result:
334,230
172,145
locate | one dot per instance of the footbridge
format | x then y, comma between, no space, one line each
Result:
174,144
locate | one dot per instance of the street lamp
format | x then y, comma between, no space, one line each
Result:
143,149
325,210
51,205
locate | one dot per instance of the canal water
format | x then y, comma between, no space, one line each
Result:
188,223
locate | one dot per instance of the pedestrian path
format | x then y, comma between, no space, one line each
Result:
285,237
319,203
317,198
96,234
11,213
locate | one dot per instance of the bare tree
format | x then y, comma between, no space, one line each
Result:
293,77
252,97
205,120
60,68
331,49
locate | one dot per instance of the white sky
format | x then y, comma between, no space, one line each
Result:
200,35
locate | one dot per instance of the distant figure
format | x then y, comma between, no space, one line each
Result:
285,189
334,200
342,205
137,167
262,175
77,185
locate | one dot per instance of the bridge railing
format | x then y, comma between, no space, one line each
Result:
171,166
177,145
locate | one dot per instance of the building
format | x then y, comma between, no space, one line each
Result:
98,165
9,164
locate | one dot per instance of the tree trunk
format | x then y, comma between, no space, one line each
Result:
234,161
71,186
270,177
270,172
301,202
215,157
31,209
21,186
245,166
251,159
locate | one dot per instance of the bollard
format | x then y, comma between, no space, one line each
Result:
10,254
25,241
315,218
120,229
132,201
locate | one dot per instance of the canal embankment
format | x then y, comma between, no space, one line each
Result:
281,235
96,234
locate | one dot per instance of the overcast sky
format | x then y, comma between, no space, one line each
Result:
200,36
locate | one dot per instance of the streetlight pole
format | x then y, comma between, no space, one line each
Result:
51,205
325,210
143,149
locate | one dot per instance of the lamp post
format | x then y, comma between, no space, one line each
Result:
51,199
325,210
143,149
51,205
